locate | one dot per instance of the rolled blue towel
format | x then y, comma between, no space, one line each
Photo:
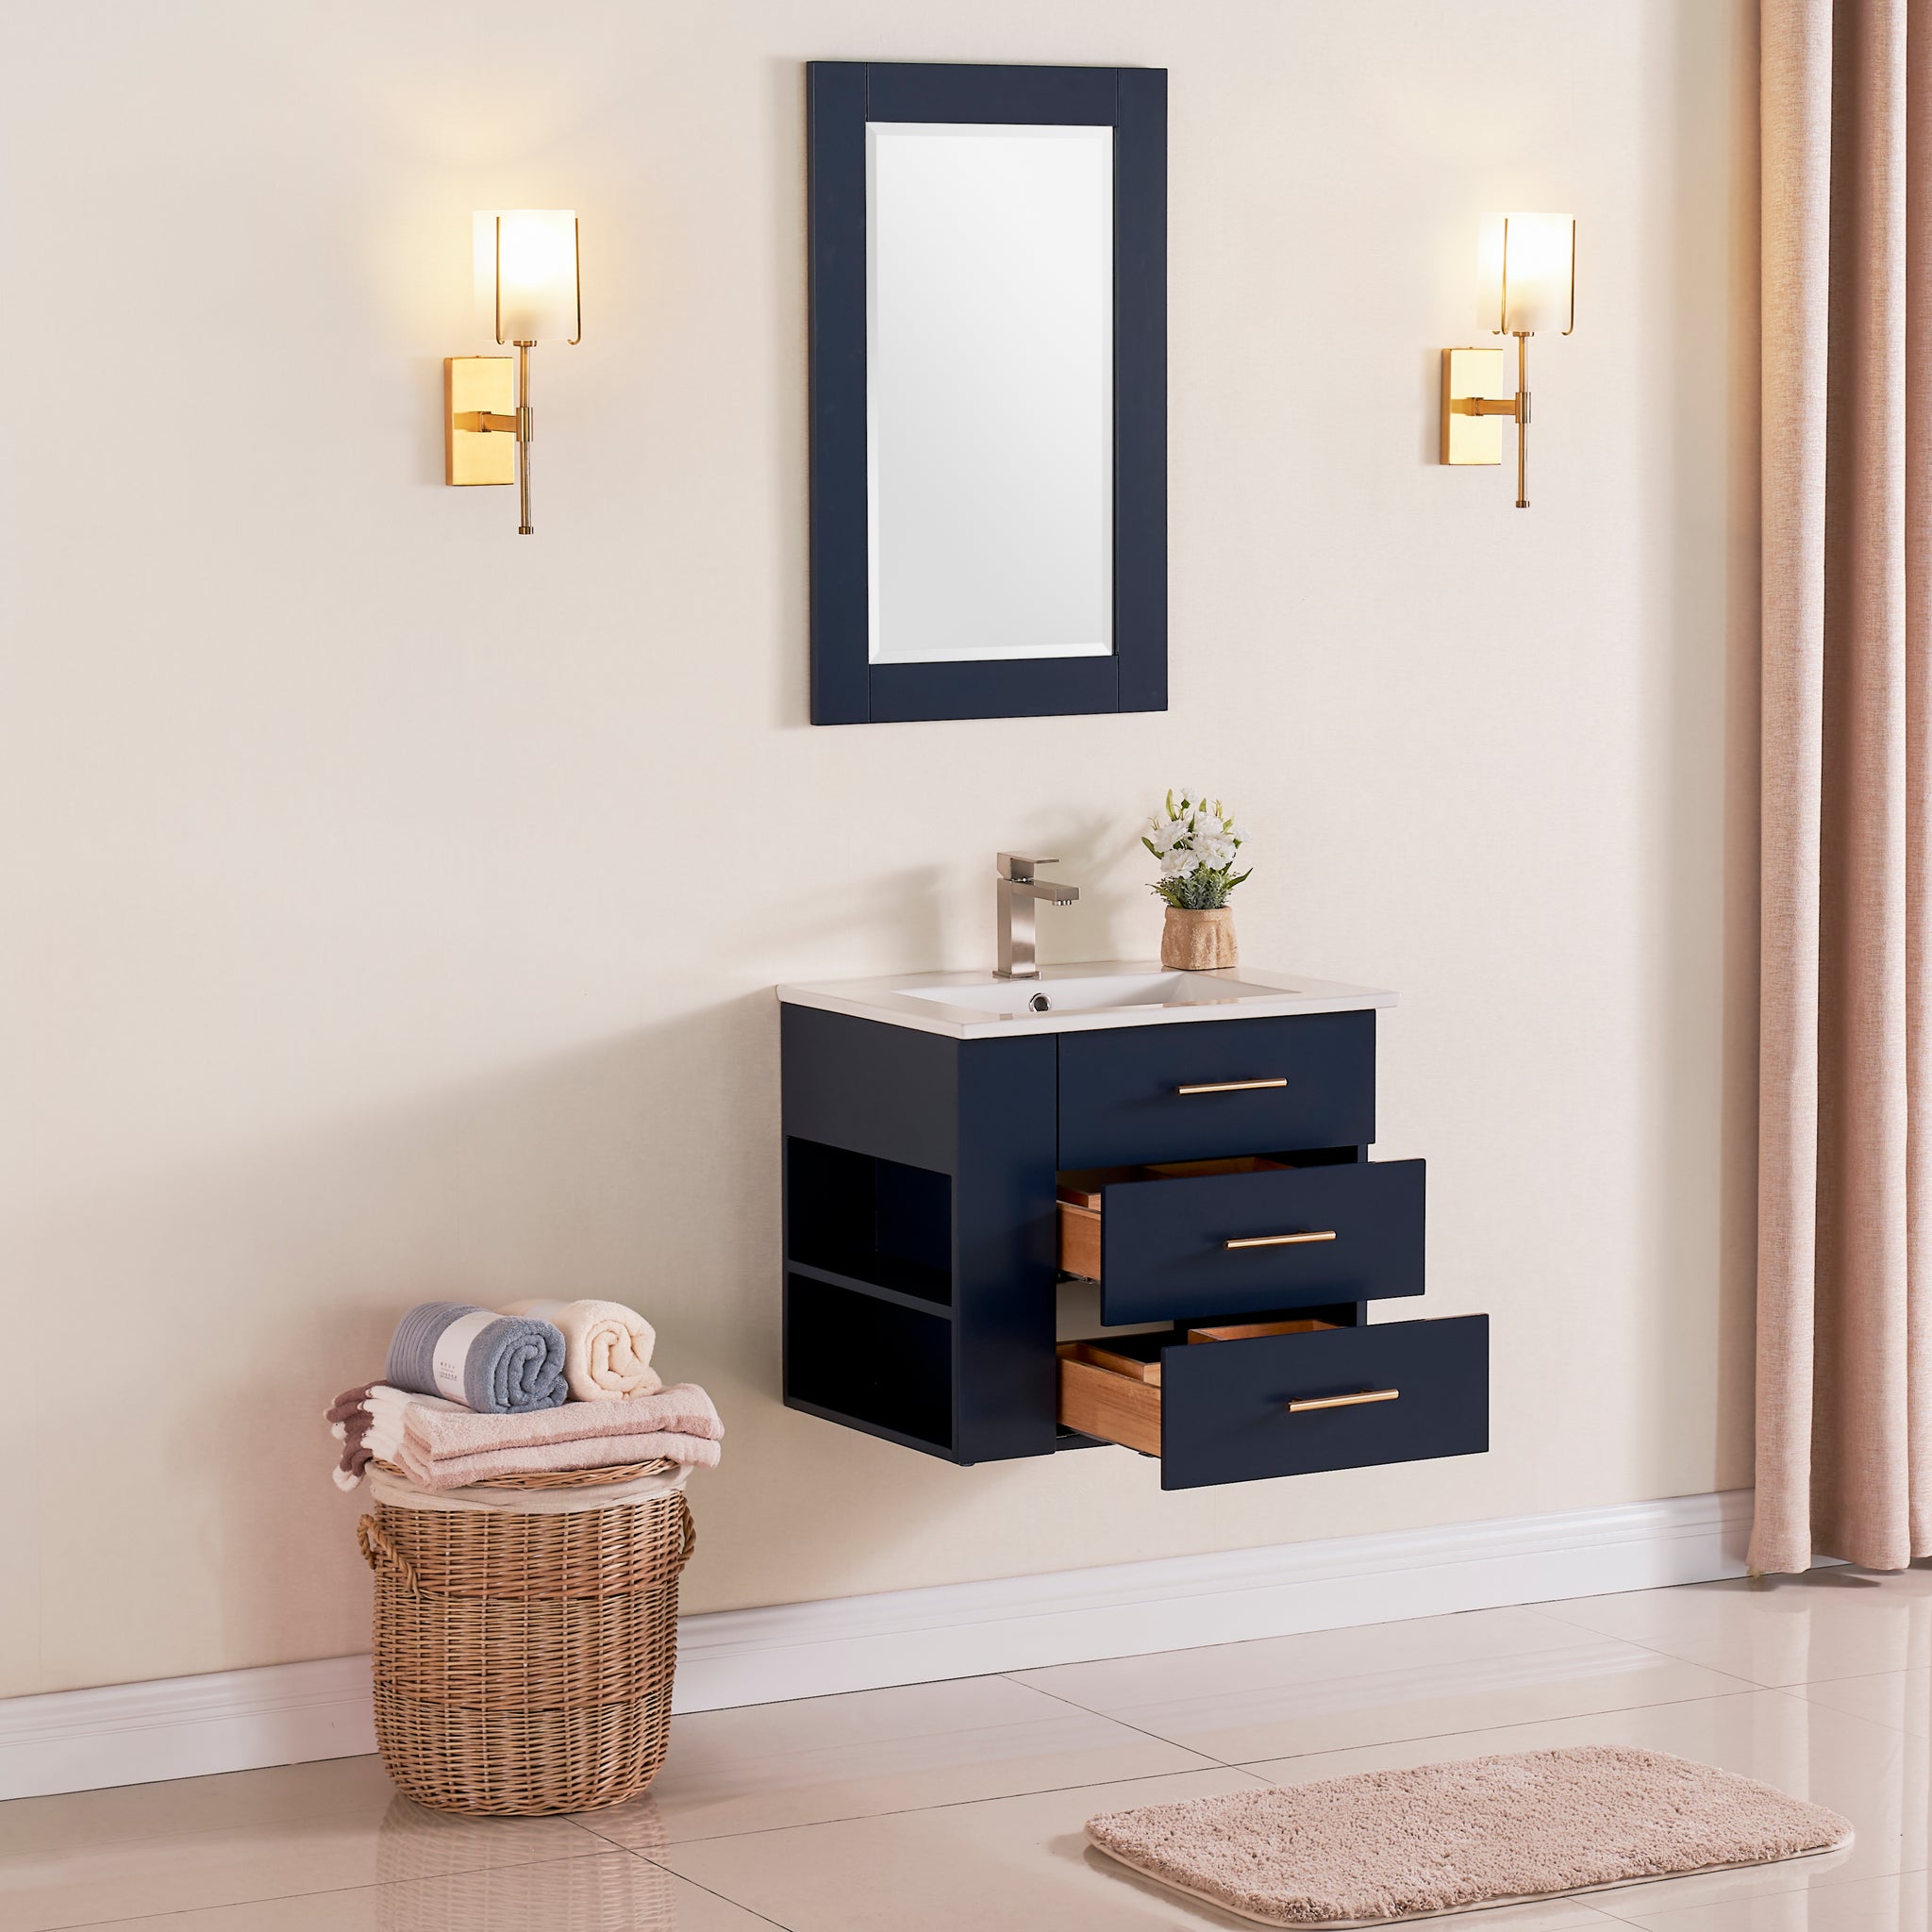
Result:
499,1364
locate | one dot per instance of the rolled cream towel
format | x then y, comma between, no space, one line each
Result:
496,1364
606,1348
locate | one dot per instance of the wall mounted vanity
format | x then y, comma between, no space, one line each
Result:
1183,1157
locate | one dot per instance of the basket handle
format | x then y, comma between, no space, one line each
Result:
381,1554
689,1524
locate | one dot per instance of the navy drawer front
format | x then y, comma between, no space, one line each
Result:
1164,1252
1224,1404
1121,1098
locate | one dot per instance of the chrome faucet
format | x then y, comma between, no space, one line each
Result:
1016,894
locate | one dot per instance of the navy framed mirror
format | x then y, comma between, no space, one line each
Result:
989,390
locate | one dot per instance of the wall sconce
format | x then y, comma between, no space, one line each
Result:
1526,270
526,262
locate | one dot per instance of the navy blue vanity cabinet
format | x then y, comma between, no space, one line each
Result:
920,1256
1218,1181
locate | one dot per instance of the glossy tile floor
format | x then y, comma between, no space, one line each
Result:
958,1807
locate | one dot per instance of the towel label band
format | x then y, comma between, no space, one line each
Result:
453,1351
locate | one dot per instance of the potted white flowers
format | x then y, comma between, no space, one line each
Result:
1196,844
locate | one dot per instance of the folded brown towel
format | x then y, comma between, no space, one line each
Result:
348,1404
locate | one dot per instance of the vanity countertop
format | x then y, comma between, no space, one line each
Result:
1080,998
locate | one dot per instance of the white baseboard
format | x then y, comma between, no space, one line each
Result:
73,1740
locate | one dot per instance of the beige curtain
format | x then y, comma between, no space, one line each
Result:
1844,1276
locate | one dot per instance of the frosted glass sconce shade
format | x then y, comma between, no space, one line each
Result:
535,270
1526,273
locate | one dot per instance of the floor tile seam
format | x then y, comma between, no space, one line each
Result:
1138,1730
1651,1649
1783,1892
602,1849
1852,1678
1636,1642
1745,1687
685,1878
1523,1724
663,1852
1796,1693
1024,1674
1858,1677
1018,1723
1793,1693
1732,1670
142,1838
102,1846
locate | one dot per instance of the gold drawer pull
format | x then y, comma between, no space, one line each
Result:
1343,1401
1278,1240
1229,1086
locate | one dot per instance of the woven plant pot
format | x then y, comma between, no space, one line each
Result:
1198,942
522,1664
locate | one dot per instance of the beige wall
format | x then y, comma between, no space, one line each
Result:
392,905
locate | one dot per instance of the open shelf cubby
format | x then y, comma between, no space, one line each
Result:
880,1365
859,1220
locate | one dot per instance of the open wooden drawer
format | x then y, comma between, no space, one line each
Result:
1223,1238
1284,1398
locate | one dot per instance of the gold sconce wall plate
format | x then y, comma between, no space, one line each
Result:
1469,375
474,386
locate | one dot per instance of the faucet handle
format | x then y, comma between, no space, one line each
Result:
1016,868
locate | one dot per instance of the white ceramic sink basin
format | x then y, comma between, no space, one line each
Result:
1063,999
1086,995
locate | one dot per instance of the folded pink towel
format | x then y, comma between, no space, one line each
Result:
443,1445
445,1448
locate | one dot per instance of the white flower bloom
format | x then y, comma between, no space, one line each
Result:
1193,833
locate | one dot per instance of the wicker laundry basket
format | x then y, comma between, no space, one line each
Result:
524,1663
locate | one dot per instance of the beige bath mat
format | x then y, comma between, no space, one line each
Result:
1385,1845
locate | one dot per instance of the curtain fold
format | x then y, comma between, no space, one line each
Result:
1844,1343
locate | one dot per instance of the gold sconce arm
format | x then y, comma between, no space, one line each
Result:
1472,394
488,425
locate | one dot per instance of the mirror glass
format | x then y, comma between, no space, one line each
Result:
989,390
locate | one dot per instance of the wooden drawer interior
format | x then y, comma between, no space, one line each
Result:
1110,1388
1080,1196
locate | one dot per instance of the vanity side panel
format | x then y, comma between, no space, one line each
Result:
877,1090
1005,1250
